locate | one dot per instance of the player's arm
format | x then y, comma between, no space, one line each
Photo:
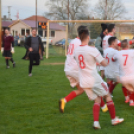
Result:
12,40
99,58
104,63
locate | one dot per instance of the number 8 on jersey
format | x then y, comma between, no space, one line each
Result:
81,61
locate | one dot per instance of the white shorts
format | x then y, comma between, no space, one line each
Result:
128,82
72,77
102,68
98,90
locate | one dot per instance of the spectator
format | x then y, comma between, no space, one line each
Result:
16,38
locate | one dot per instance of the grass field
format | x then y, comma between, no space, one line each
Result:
29,105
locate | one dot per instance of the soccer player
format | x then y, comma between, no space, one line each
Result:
32,44
8,48
71,71
125,58
112,70
91,82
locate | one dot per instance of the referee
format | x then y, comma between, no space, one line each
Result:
33,44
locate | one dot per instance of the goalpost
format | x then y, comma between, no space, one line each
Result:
77,21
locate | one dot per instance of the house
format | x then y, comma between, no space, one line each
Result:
125,31
21,27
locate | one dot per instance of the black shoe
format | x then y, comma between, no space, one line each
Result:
14,65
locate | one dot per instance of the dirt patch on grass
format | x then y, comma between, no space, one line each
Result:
54,63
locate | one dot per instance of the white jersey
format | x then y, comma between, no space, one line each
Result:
126,62
70,63
86,58
112,70
105,44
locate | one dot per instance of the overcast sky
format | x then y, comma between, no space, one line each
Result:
26,8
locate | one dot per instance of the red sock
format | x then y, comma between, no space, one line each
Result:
111,109
111,87
96,111
125,91
71,96
102,102
132,96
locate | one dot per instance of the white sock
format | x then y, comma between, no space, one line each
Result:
65,100
131,101
126,97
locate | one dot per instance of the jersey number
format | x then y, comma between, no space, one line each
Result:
81,61
126,55
70,49
107,58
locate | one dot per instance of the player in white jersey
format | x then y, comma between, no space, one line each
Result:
112,70
105,44
71,71
91,82
125,58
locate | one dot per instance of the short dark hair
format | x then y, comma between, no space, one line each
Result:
7,29
83,34
111,40
81,28
111,27
124,44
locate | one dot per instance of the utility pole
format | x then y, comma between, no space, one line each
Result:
106,11
0,25
36,14
9,12
68,10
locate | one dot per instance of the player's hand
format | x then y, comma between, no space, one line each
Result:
12,51
30,49
2,50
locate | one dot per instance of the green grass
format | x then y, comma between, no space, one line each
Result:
29,105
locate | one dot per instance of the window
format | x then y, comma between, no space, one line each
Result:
45,33
28,31
40,33
52,33
23,32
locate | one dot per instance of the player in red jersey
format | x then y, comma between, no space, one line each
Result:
91,82
8,48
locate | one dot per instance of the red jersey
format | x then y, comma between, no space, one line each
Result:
8,42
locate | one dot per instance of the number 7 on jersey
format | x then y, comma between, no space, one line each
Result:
126,55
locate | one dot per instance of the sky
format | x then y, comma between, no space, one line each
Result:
26,8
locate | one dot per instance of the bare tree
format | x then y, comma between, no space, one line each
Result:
67,9
111,9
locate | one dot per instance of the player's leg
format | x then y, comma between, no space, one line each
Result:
37,60
102,74
96,108
131,102
7,62
70,97
103,106
125,92
11,59
31,63
115,120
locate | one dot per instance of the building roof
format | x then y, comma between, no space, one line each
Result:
6,23
39,18
32,23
